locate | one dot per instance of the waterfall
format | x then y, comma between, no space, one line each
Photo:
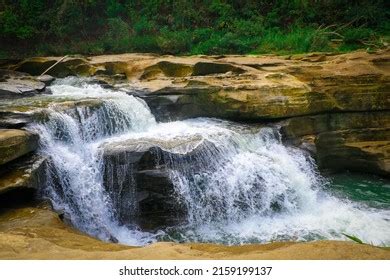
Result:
70,139
238,184
252,188
241,184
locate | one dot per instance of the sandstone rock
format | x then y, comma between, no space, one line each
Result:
210,68
265,88
167,69
364,150
46,79
15,143
251,88
69,66
356,141
15,85
25,173
14,119
306,88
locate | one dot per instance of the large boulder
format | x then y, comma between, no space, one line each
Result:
15,143
362,150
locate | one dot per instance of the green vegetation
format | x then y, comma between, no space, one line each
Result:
31,27
353,238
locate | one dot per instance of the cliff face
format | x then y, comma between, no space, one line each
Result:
337,106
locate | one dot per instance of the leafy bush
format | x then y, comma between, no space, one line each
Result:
174,42
117,38
28,27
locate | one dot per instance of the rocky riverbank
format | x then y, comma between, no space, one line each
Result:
337,107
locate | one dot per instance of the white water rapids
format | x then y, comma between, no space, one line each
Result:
246,187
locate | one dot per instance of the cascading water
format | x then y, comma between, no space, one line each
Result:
70,139
243,185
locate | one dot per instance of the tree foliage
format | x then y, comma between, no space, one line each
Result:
198,26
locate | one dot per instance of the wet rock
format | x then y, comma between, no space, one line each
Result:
14,119
16,84
304,88
137,173
363,150
46,79
38,233
15,143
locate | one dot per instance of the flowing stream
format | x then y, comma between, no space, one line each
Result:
244,186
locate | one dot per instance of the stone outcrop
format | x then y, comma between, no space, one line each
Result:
69,66
137,171
358,141
258,89
249,88
334,106
15,143
25,173
17,84
9,119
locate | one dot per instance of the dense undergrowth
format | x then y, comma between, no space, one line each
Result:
44,27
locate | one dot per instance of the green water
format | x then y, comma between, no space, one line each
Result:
373,191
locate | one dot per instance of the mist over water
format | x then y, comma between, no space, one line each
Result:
243,186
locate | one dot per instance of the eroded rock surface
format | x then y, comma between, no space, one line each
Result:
17,84
15,143
258,89
243,87
25,173
358,141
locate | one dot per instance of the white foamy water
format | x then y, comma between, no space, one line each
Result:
70,139
241,186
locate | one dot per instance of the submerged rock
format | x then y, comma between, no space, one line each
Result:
15,143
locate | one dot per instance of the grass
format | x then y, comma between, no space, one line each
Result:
209,41
353,238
